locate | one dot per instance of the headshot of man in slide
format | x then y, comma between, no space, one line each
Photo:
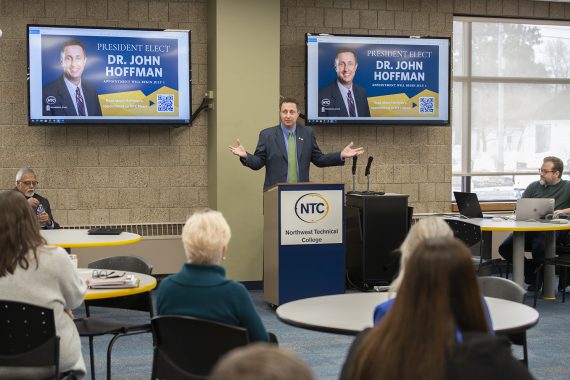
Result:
69,95
343,97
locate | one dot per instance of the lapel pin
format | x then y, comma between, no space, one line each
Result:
300,138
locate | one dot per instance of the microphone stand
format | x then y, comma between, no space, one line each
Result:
354,159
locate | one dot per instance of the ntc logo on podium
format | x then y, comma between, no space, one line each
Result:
311,208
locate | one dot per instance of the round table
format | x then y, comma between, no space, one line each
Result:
351,313
147,283
78,238
518,228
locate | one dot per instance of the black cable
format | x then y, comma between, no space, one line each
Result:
204,105
354,286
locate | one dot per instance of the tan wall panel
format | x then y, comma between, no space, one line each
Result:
244,75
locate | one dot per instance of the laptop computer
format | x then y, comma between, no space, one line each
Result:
468,205
534,209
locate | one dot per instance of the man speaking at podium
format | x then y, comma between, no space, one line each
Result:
288,149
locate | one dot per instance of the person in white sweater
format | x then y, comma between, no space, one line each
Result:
41,275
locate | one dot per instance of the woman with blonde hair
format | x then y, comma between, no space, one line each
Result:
201,289
41,275
436,328
261,361
427,228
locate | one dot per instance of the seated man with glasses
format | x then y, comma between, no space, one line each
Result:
550,185
26,183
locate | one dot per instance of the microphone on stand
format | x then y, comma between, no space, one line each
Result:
367,172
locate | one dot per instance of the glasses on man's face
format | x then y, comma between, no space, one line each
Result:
106,274
29,183
544,171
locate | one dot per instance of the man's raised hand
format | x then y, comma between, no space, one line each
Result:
238,150
349,151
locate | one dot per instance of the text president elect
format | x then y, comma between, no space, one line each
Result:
343,97
288,149
69,95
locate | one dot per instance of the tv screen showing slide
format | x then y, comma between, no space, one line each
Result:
377,80
105,76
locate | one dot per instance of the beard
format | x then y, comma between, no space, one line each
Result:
553,181
30,193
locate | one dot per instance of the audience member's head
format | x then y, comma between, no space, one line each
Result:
422,230
261,361
19,232
438,297
205,236
551,170
26,181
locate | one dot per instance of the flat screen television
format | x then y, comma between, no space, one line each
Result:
108,76
377,80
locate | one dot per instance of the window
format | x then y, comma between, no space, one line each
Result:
511,103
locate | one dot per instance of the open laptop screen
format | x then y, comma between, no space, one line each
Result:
533,209
468,204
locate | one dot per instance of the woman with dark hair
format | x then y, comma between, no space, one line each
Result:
41,275
436,328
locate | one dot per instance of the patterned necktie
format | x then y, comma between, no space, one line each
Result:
80,103
292,158
351,109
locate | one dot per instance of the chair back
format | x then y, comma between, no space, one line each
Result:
140,302
188,347
124,263
499,287
29,343
468,233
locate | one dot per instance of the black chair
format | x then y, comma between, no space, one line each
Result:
188,347
96,326
506,289
29,348
470,234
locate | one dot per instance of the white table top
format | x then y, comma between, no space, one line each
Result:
75,238
351,313
146,284
514,225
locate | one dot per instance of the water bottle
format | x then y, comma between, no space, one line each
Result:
40,210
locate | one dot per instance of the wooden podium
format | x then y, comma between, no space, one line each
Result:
303,241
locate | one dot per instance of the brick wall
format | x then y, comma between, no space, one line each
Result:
99,175
408,160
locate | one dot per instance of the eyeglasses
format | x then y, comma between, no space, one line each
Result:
544,171
28,183
106,274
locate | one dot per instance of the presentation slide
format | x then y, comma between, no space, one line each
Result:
377,80
82,75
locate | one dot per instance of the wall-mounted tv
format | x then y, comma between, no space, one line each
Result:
108,76
377,80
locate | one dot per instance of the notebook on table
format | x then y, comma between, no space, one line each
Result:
469,206
534,209
122,282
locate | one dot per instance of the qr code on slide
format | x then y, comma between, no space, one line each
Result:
165,103
427,105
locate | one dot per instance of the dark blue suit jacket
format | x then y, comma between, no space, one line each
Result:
332,104
61,103
272,153
45,203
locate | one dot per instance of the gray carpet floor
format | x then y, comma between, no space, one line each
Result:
548,344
